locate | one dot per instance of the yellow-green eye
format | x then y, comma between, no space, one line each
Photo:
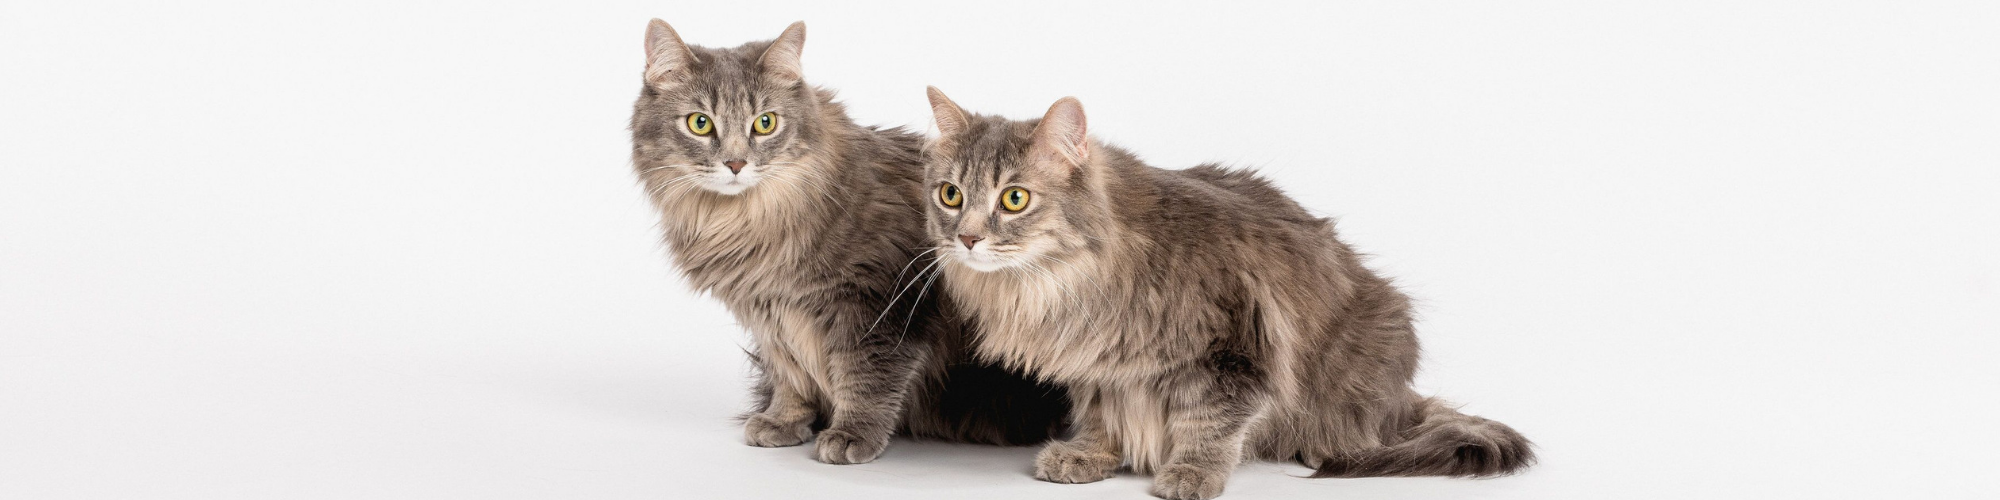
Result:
765,123
1014,199
950,196
700,124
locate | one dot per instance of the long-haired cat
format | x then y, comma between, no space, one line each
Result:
808,227
1194,315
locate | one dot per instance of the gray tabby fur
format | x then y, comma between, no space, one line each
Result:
814,246
1196,316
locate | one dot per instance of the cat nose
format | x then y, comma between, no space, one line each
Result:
735,166
969,240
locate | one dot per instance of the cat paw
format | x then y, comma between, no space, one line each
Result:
1066,463
1187,482
840,447
763,431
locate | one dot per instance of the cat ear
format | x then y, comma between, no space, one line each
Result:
667,58
1061,133
781,60
950,118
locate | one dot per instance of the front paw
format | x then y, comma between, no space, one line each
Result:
1069,463
841,447
1187,482
763,431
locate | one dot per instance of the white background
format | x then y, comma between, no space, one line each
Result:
391,250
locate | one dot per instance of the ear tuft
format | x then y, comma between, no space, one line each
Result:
950,118
667,58
781,60
1063,132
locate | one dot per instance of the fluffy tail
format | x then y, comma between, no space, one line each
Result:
1444,442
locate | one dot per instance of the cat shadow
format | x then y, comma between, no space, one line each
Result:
922,465
950,469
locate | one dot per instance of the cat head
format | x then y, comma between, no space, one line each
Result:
1012,193
723,120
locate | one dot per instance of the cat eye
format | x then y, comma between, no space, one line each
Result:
765,123
950,196
700,124
1014,199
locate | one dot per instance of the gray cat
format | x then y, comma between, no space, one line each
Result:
1193,315
808,227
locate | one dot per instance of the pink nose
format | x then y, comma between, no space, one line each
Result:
969,240
735,166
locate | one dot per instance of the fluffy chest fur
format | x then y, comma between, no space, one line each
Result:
749,251
1057,324
739,247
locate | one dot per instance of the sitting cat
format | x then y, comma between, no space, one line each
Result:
808,226
1194,315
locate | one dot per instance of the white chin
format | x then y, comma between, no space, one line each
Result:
730,188
983,264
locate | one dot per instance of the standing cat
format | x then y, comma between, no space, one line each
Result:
1192,314
808,226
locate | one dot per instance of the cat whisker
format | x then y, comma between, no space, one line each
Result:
899,294
913,308
913,261
662,186
664,167
669,186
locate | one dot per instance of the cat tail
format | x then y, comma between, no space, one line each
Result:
1443,442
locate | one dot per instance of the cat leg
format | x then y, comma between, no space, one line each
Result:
1090,456
1208,428
870,382
786,422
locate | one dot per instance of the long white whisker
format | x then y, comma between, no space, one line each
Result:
655,191
899,294
913,308
686,180
913,261
649,171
